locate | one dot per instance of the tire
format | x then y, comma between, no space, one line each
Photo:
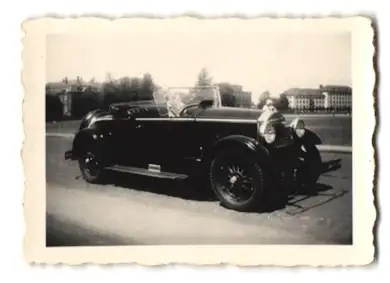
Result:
91,167
311,169
234,173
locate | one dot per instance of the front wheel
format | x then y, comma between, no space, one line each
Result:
237,181
91,167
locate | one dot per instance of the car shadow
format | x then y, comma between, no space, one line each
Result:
298,204
189,189
198,189
295,202
331,165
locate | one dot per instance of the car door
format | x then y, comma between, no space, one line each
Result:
153,138
182,144
183,138
168,142
127,140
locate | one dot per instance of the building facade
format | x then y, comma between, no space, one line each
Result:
243,98
324,97
66,100
337,97
302,98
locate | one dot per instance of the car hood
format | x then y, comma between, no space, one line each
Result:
234,113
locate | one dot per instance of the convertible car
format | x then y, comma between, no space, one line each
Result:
248,156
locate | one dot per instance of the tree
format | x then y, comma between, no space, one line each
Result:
110,90
85,101
65,80
263,98
227,92
78,86
92,85
204,79
53,107
109,77
201,92
282,103
147,87
127,89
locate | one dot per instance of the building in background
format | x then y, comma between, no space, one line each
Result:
305,98
324,97
67,91
243,99
337,97
63,91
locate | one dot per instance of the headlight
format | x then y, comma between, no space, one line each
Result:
298,126
267,131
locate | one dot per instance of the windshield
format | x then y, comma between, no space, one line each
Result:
176,98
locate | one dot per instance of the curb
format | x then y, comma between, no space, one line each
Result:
321,147
318,116
60,135
334,148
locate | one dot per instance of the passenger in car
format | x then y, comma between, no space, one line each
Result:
269,106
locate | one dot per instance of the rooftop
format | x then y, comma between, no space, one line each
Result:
332,88
303,91
318,91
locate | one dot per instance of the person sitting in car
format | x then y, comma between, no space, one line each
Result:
269,105
174,104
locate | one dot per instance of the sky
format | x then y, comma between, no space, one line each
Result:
259,61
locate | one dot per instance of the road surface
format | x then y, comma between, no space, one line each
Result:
140,211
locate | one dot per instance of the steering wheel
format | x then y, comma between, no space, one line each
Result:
185,109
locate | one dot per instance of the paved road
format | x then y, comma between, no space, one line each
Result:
140,211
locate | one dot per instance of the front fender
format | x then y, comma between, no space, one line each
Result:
240,142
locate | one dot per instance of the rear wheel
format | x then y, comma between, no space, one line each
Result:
91,167
237,181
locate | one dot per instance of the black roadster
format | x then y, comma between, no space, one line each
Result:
249,156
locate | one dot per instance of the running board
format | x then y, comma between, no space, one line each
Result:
146,172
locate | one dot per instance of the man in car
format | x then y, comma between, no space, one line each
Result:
269,105
174,104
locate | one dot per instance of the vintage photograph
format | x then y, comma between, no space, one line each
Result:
199,134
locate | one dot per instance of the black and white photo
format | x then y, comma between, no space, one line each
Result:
197,133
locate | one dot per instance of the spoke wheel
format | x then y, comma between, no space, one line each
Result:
90,167
237,182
